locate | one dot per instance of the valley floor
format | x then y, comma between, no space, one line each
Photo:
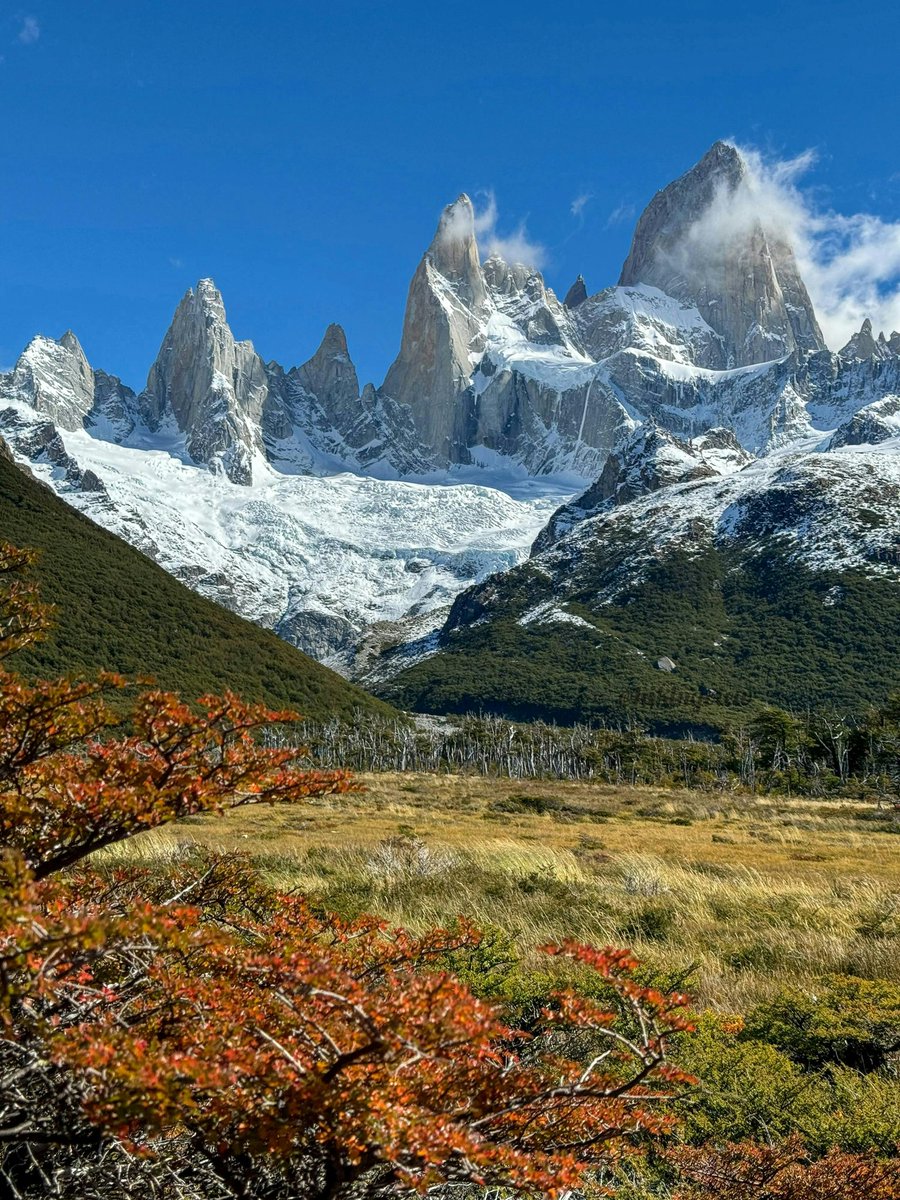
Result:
738,895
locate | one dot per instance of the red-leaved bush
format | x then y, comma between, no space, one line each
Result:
185,1033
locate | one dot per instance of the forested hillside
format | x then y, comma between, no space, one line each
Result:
117,610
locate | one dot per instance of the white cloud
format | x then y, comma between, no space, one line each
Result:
513,247
579,204
849,263
621,213
459,221
29,31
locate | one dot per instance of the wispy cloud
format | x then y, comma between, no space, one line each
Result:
514,246
29,30
578,205
175,262
620,214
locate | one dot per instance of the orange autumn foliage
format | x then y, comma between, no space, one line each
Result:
783,1171
190,1034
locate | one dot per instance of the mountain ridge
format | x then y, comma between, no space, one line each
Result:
348,518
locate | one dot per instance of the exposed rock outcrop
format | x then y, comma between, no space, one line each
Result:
651,459
577,293
878,422
443,328
54,378
212,387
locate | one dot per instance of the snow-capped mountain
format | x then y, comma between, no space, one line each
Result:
696,390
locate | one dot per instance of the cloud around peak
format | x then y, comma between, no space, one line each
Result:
483,219
849,263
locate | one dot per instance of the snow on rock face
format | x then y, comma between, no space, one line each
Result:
319,559
343,519
55,379
644,318
214,388
829,510
701,240
878,422
491,360
834,509
650,460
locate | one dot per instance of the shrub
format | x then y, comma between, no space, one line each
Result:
851,1022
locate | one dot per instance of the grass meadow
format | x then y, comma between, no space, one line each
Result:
737,895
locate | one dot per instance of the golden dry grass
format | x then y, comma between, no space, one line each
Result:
750,893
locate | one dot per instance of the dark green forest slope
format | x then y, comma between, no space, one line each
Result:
742,630
119,611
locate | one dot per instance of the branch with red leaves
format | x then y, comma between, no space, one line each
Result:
192,1034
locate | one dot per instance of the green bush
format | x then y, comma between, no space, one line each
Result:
851,1023
747,1089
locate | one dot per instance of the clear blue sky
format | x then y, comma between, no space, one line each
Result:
300,153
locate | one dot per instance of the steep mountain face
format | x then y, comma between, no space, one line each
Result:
701,241
54,379
443,327
349,519
213,389
491,366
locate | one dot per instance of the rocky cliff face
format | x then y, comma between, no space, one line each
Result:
491,366
55,379
443,331
213,388
701,241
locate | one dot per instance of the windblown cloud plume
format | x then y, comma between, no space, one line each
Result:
513,247
458,223
850,263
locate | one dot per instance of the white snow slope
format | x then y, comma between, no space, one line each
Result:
340,552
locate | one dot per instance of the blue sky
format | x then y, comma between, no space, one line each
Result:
300,153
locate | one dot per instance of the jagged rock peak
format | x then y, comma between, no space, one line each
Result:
443,326
864,345
454,251
702,240
213,387
457,222
71,342
723,160
577,293
333,342
331,376
54,377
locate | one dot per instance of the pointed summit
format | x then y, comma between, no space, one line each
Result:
212,387
331,376
454,251
456,224
864,344
443,326
577,293
55,378
703,241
